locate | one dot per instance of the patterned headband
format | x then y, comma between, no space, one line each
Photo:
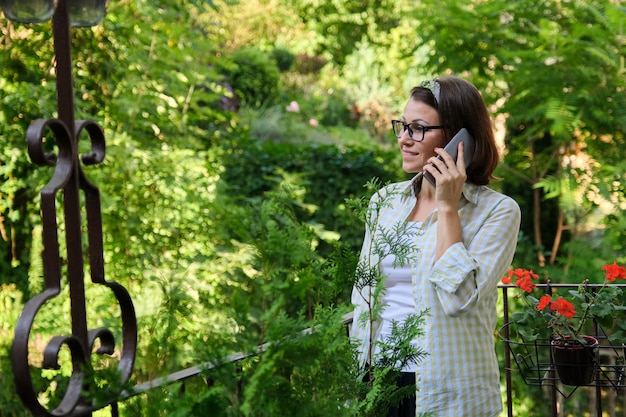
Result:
433,86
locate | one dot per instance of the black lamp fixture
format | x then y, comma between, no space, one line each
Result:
70,181
82,13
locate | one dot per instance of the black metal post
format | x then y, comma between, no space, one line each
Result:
507,354
69,180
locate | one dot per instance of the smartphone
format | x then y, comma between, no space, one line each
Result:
452,148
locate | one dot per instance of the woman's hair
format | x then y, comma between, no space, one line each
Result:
460,105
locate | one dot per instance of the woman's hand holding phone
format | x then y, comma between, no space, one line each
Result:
452,149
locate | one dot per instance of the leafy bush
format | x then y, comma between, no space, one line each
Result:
254,77
329,174
284,59
337,110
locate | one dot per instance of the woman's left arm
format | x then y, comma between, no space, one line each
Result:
472,266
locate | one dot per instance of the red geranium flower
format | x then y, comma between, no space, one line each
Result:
523,279
544,302
563,307
614,271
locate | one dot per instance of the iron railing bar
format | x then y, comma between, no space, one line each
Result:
183,374
196,370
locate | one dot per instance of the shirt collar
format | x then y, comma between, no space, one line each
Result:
470,192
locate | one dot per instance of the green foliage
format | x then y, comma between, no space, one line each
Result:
335,110
369,88
267,24
284,59
396,353
370,78
340,25
254,76
26,94
323,385
330,174
160,89
148,83
10,305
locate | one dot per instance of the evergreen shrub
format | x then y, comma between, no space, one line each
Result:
284,59
254,77
331,174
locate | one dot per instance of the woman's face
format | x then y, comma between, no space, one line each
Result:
415,153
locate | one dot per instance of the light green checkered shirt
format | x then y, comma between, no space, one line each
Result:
459,377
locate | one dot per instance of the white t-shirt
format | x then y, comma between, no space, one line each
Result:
398,297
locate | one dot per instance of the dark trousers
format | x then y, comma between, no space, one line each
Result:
407,407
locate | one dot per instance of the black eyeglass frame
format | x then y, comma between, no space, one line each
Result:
407,126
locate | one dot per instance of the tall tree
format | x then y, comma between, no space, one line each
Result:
339,25
556,71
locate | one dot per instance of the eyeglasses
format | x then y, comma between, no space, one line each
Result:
399,127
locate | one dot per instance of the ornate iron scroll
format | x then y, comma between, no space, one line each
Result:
70,180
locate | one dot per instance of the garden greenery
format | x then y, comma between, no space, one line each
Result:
216,253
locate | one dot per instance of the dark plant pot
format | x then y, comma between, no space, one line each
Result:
575,364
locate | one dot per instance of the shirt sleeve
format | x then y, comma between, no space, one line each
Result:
470,269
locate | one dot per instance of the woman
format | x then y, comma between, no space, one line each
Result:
463,240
